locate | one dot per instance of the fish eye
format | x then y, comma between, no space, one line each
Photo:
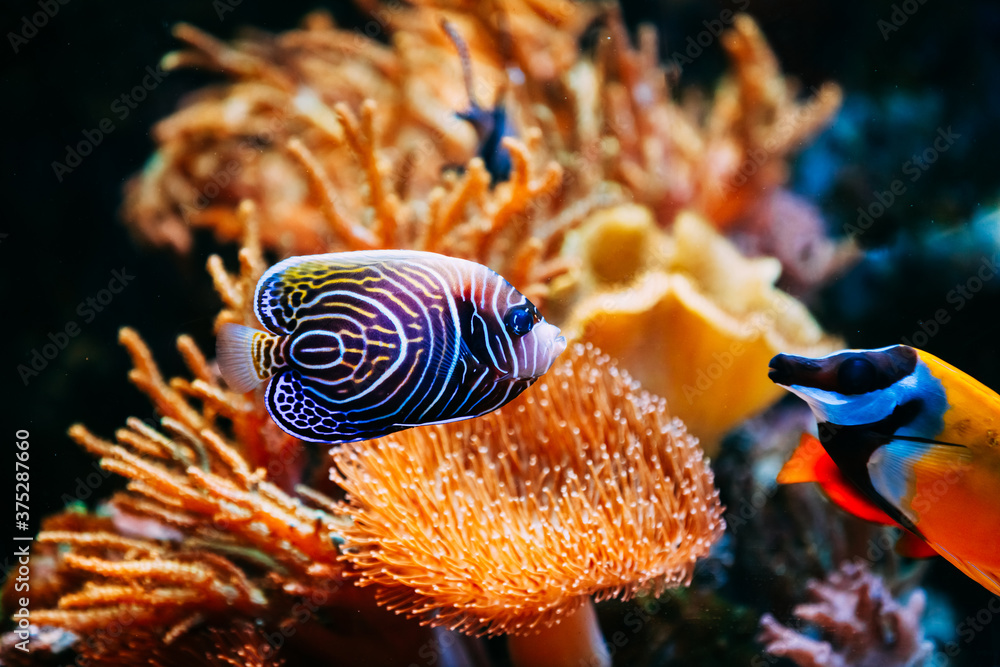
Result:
519,320
857,375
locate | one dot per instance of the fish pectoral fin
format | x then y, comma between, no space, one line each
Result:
467,355
894,466
911,545
810,462
805,463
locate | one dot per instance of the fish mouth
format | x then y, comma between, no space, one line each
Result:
863,388
784,368
787,370
552,350
557,347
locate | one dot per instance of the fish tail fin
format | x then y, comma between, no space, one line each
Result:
246,356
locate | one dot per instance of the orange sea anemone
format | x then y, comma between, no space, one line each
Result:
510,523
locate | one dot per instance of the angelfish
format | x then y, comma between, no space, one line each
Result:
907,438
362,344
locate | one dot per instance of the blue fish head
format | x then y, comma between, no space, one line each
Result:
889,385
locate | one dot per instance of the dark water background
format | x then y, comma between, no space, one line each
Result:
62,240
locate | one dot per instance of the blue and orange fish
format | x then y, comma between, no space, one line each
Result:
906,439
362,344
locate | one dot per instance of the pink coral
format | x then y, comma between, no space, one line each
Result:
786,226
864,625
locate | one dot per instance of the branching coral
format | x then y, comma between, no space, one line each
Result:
343,143
229,521
285,133
864,625
585,486
329,170
326,140
225,538
717,161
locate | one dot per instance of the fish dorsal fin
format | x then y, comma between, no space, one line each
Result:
270,301
891,468
810,462
282,290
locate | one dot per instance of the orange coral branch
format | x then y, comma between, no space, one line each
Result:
521,195
445,216
354,236
361,139
101,540
146,376
213,52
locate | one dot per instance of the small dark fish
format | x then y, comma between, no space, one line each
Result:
491,125
361,344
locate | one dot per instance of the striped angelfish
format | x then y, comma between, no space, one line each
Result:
361,344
